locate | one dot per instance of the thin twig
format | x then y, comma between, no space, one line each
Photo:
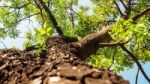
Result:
27,17
113,58
137,74
41,13
112,44
135,10
136,61
75,12
3,43
16,7
123,4
31,36
118,8
71,14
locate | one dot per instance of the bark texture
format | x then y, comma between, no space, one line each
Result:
61,63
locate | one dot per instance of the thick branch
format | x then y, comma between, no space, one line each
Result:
96,37
136,61
90,43
128,9
51,17
141,14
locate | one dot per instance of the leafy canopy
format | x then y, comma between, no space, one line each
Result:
78,20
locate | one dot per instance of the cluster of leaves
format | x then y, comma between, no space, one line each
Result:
111,58
137,35
39,37
123,31
11,14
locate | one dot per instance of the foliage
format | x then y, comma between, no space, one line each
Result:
79,20
39,37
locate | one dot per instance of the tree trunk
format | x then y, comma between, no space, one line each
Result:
61,63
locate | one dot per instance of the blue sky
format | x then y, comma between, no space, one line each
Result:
131,73
127,74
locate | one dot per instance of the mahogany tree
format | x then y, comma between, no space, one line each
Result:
112,34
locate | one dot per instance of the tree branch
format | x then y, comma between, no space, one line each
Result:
112,44
118,8
90,43
141,14
136,61
99,37
136,78
128,9
51,17
3,43
72,15
123,4
113,58
40,8
27,17
19,7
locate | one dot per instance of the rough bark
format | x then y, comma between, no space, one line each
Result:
90,43
61,63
